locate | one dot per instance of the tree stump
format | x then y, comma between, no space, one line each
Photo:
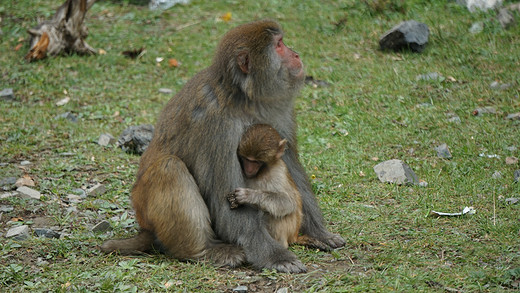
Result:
64,33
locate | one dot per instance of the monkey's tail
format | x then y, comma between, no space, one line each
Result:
138,244
224,254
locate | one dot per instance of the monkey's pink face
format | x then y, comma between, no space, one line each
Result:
290,58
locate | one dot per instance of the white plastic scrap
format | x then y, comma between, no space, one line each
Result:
465,211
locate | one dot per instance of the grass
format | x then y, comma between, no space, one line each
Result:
374,110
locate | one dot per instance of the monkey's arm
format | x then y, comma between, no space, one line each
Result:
277,204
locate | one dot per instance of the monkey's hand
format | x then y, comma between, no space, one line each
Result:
239,197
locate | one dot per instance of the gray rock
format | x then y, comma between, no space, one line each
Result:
8,194
7,94
499,86
25,163
496,175
73,198
165,91
135,139
283,290
432,76
6,208
443,151
8,183
96,190
483,5
505,17
452,117
102,226
396,171
69,116
484,110
46,233
517,175
240,289
27,192
514,116
477,27
106,139
80,192
19,233
410,34
512,200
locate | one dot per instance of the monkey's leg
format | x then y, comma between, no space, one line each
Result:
175,211
312,223
308,241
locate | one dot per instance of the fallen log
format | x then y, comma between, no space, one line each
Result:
63,33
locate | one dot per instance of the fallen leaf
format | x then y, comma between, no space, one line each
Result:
511,160
17,219
26,180
18,47
226,17
173,62
102,52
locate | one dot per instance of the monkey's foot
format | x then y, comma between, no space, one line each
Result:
226,255
294,266
333,240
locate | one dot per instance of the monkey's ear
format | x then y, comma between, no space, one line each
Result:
281,148
243,61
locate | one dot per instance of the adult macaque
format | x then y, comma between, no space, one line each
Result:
190,166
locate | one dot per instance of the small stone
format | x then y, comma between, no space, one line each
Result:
452,117
8,194
423,184
515,116
27,192
433,76
80,192
497,175
6,209
46,233
517,175
165,91
135,139
512,200
511,160
102,226
25,181
240,289
283,290
96,190
25,163
410,34
106,139
511,148
443,151
476,28
505,17
73,198
19,233
8,183
395,171
7,94
499,86
67,154
484,110
69,116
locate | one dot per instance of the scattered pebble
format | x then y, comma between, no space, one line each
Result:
27,192
476,28
7,94
102,226
18,233
80,192
165,91
512,200
499,86
423,184
432,76
96,190
135,139
396,171
69,116
452,117
409,34
506,18
240,289
8,183
484,110
517,176
511,160
106,139
514,116
497,175
443,151
283,290
25,163
46,233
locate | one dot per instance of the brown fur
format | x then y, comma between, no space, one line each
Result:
191,165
